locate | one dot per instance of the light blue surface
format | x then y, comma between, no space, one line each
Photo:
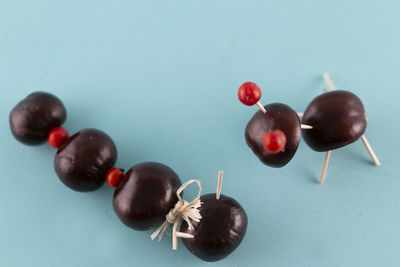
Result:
161,77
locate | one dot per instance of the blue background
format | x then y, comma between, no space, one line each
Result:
161,78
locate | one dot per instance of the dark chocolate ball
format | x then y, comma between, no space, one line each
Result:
338,119
146,195
278,117
220,231
83,161
33,118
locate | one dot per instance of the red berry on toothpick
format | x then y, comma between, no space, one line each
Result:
249,93
274,141
57,136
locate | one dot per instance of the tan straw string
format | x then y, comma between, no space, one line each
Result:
182,210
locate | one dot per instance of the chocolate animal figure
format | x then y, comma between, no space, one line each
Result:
338,118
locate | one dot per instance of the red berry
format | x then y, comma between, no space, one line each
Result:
249,93
114,176
274,141
57,136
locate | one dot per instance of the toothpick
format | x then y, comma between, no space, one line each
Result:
184,235
305,126
329,82
219,186
261,107
324,167
371,152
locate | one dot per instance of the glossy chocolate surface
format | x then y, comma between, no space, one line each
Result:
279,116
33,118
146,195
83,160
338,119
219,232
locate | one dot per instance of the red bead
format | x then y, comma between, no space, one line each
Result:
249,93
57,136
274,141
114,176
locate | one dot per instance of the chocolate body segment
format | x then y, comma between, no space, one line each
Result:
33,118
338,119
219,232
146,195
83,161
279,116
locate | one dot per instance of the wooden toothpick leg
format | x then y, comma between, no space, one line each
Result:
324,167
370,151
329,82
332,87
219,185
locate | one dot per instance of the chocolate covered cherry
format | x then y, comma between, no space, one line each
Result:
338,119
32,119
84,159
220,230
146,195
278,117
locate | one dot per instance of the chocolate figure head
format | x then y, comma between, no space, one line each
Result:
219,232
278,117
33,118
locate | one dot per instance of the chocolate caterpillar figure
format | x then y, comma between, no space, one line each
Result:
146,196
332,120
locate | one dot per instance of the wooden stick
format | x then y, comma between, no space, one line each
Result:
219,185
370,151
184,235
174,236
375,159
324,167
305,126
260,106
329,82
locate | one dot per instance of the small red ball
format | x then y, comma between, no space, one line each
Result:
57,136
249,93
114,176
274,141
